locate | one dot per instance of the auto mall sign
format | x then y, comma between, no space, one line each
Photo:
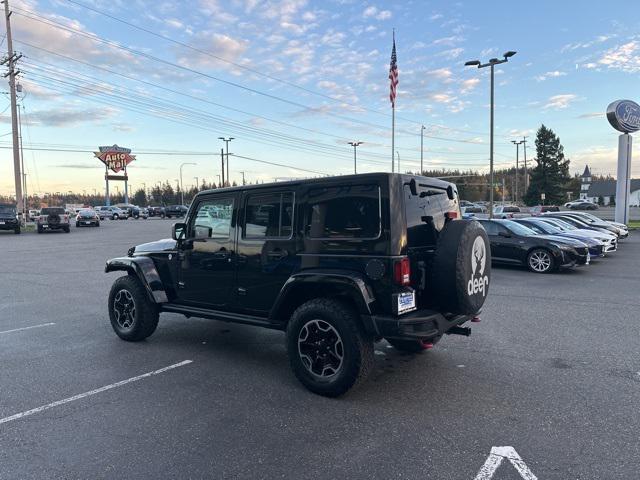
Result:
114,157
624,116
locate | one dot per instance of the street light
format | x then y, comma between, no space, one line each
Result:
182,189
226,141
355,144
491,63
398,154
517,144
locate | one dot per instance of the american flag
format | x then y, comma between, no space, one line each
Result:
393,74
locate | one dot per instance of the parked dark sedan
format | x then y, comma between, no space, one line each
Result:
515,244
87,218
175,211
596,247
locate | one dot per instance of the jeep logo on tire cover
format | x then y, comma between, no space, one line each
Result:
478,282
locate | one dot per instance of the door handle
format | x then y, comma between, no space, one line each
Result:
277,254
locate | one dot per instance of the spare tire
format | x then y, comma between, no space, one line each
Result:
53,219
461,268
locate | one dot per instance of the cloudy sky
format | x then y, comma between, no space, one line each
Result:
294,80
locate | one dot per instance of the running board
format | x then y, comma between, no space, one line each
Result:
190,311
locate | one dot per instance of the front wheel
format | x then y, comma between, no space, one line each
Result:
328,351
115,216
133,317
540,261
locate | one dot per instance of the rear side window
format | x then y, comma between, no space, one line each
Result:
269,216
511,210
349,211
490,227
52,211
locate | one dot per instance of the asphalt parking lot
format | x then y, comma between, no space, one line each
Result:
553,371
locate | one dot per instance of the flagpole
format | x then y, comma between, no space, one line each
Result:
393,136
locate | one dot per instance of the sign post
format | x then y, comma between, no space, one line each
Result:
624,116
116,159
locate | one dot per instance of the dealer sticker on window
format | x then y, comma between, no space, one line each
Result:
406,302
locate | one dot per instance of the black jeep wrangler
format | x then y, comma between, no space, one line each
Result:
338,263
9,218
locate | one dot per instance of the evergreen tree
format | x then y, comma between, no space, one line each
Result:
551,174
140,198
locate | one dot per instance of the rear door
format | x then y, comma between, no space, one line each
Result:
266,248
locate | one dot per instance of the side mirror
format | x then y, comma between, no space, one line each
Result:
178,231
504,234
203,232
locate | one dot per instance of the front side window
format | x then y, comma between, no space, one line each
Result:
213,219
350,211
269,215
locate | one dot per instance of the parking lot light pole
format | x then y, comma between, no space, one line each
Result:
517,144
182,189
355,144
491,63
422,129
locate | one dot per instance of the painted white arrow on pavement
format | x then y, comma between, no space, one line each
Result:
495,459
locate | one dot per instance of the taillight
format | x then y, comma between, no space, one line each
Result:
402,271
451,215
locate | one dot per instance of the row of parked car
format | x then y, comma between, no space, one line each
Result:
124,212
552,240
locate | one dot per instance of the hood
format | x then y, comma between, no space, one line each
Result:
157,246
590,241
563,240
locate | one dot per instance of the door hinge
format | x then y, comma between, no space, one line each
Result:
242,291
180,284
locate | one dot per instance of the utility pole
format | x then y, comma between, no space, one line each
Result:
398,154
218,175
355,144
243,181
226,140
526,172
12,59
222,160
422,129
502,190
24,175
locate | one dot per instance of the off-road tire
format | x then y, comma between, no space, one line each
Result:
357,347
77,224
97,224
115,216
17,231
146,313
39,229
67,229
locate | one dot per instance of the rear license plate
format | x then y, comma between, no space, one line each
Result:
1,223
406,302
87,223
45,225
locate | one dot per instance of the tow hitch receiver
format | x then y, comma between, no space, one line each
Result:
466,331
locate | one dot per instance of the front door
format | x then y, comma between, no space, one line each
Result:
206,275
266,248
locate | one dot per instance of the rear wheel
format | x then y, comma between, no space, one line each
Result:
17,231
77,224
328,350
133,316
39,229
67,229
540,261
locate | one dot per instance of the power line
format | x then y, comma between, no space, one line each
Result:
39,18
255,71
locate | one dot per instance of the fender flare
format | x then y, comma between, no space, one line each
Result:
145,270
353,284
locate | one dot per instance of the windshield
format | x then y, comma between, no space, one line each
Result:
7,210
563,224
518,229
547,228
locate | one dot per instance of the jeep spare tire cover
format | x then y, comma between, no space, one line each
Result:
461,269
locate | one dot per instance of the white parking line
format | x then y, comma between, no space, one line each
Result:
80,396
28,328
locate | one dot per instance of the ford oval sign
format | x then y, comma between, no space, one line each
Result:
624,116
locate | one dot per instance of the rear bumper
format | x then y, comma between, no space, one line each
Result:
421,324
9,225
